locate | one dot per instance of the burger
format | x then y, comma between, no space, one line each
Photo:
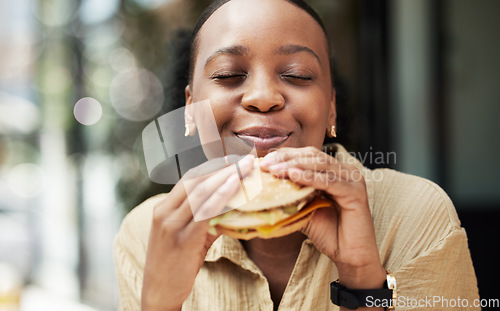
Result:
267,207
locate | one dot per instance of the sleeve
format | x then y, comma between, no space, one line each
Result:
441,278
421,241
129,250
129,278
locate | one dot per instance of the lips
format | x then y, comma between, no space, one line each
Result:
263,138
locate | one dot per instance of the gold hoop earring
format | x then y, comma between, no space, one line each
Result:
186,133
333,132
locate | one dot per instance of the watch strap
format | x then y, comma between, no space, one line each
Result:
355,298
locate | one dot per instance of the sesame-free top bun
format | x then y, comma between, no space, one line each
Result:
265,191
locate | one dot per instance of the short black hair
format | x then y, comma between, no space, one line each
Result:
216,4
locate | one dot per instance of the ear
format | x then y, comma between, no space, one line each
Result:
189,113
332,115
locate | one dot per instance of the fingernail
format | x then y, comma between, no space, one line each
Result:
269,159
249,159
247,162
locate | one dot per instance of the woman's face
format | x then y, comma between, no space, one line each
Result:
264,67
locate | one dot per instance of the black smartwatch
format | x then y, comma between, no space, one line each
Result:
356,298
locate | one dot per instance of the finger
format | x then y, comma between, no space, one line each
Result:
351,198
170,203
320,220
178,194
198,193
180,216
340,186
183,215
318,180
211,166
285,154
320,162
214,205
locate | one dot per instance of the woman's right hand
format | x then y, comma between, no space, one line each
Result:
177,243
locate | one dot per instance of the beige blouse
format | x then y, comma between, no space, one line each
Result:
418,236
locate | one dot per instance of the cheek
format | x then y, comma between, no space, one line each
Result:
312,111
222,104
210,132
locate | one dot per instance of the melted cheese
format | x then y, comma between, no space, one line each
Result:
314,205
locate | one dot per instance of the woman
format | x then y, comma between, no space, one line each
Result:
264,66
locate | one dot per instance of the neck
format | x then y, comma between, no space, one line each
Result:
276,250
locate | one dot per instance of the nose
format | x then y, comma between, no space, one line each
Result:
262,95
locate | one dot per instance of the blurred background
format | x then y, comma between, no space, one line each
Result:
80,79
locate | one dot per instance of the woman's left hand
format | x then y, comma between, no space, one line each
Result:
344,232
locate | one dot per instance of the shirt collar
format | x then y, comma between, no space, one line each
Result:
231,249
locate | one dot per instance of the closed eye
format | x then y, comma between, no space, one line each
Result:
228,78
297,79
222,77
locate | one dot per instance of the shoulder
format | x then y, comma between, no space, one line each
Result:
419,237
411,215
397,193
397,198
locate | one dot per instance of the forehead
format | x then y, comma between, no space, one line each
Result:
239,21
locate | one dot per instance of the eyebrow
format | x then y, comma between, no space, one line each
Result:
231,50
240,50
292,49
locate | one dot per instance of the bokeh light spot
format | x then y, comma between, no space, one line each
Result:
121,59
136,94
56,13
96,11
152,4
26,180
87,111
